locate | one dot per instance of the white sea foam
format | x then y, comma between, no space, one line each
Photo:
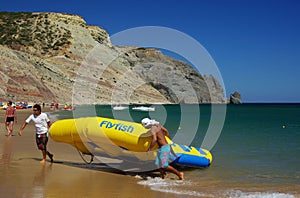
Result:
240,194
172,186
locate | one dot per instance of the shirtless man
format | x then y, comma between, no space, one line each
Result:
158,133
10,118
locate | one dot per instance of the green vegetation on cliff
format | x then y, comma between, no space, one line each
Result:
22,30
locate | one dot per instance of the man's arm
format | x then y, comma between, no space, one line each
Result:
22,127
5,116
154,138
49,124
165,131
15,115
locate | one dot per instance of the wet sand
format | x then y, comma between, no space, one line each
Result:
22,174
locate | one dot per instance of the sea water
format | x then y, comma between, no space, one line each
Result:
256,154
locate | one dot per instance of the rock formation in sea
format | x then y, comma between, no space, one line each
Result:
235,98
55,57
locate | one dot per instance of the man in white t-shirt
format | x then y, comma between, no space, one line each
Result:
41,123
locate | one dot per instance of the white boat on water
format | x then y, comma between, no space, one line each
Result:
143,108
119,107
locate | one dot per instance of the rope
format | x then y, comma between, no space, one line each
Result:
87,162
81,154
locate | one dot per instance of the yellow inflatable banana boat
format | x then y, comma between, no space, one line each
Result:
98,136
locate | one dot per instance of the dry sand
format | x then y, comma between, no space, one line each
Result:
22,175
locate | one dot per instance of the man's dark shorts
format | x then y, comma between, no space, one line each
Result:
41,141
10,119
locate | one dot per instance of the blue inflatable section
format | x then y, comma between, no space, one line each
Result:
190,156
192,160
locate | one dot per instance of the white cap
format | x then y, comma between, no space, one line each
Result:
147,123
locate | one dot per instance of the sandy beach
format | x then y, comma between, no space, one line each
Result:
22,175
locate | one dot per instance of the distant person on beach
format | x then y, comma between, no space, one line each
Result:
158,133
56,106
41,123
10,118
52,106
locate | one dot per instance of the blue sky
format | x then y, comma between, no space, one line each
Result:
255,43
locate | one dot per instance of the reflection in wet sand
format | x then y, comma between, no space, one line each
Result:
6,153
39,181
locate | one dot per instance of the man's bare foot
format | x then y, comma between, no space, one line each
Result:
43,161
51,157
181,176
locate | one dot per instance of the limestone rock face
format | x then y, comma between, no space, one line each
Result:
235,98
55,57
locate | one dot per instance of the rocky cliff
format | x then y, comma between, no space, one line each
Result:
54,57
235,98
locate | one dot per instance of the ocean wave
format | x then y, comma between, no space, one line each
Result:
241,194
171,186
177,187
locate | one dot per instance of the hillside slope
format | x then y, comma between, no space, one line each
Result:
55,57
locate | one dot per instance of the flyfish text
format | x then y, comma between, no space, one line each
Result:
117,126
